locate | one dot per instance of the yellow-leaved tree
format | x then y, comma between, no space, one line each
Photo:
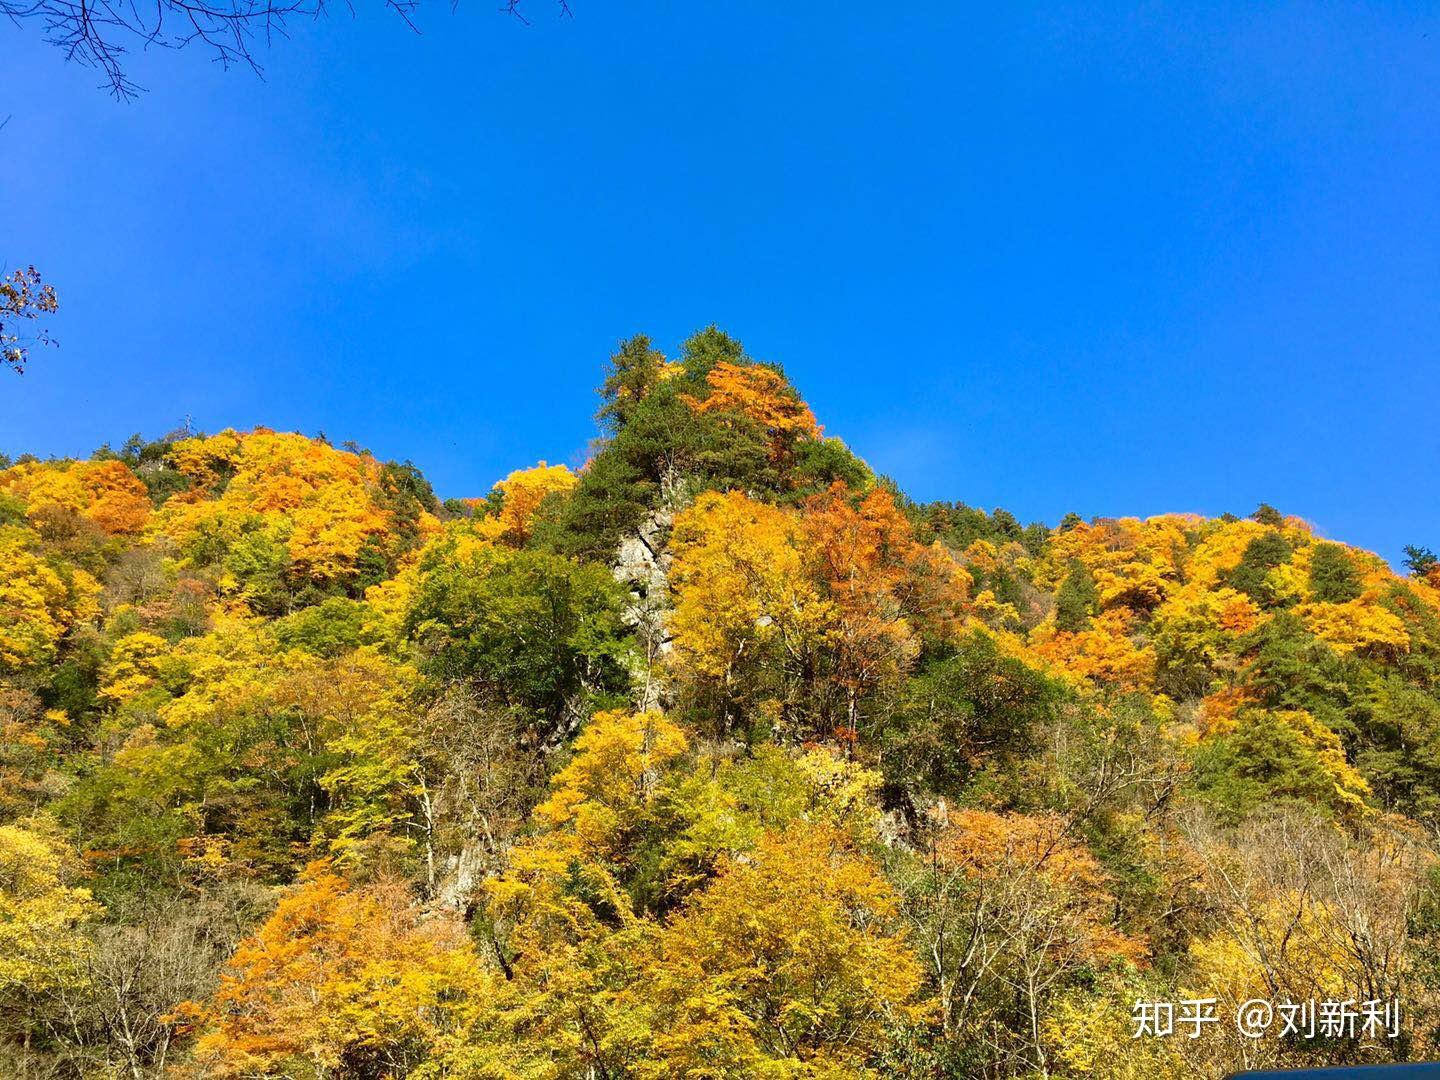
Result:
269,504
41,600
340,981
793,963
785,956
521,494
748,618
42,912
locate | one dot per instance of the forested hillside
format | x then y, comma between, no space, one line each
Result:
716,757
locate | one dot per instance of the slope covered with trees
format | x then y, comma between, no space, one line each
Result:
717,757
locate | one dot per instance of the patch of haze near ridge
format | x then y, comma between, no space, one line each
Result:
931,463
915,457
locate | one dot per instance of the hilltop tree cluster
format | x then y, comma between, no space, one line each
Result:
716,757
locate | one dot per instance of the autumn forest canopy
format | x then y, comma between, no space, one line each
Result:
715,757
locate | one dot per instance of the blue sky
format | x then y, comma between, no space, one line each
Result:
1110,259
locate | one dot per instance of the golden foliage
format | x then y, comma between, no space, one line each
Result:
40,601
1106,653
1134,562
791,964
1359,625
134,665
318,503
1092,1036
41,913
616,772
106,493
740,584
339,980
769,597
763,397
523,491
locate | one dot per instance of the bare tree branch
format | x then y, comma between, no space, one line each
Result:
100,33
24,297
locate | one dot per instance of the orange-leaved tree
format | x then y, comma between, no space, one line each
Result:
1006,909
340,981
104,493
882,585
763,397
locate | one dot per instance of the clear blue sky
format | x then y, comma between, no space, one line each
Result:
1045,257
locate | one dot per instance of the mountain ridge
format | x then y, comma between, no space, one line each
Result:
717,756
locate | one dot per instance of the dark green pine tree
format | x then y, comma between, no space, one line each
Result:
1419,560
1077,600
1266,514
1333,579
634,371
1251,576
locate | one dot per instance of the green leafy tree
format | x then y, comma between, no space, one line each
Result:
1284,756
1420,560
534,629
962,712
702,351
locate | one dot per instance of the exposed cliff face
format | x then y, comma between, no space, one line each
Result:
642,563
462,875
